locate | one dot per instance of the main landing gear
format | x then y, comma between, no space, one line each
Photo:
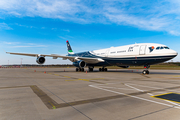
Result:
146,71
103,69
90,68
80,69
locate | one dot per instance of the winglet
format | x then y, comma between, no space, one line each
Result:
4,50
8,53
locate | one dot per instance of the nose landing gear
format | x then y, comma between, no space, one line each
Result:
146,71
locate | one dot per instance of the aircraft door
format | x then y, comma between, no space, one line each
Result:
142,50
107,53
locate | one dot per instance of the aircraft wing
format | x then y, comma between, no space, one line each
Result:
55,56
25,54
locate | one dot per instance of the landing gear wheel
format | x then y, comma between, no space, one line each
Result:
90,69
77,69
145,72
146,69
102,69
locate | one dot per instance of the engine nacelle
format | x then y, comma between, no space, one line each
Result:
40,60
124,66
80,64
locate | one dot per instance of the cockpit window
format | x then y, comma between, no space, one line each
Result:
157,48
166,47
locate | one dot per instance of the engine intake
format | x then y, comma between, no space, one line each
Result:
40,60
80,64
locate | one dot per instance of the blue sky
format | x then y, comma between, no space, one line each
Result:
43,26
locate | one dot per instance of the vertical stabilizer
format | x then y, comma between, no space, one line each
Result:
70,51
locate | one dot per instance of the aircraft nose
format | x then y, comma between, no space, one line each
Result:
174,52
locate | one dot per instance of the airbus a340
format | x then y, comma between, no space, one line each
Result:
144,54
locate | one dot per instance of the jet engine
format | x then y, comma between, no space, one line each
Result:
80,64
40,60
124,66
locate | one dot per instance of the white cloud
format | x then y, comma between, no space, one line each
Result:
11,43
54,29
28,46
62,37
66,30
5,26
25,26
20,45
143,14
66,37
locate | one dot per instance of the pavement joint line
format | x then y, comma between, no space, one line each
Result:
150,113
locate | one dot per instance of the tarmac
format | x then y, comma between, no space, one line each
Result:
63,94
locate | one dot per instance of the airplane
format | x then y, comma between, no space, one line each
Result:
143,54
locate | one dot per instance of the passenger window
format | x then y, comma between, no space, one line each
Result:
166,47
113,52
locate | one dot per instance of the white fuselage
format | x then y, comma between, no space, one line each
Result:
135,50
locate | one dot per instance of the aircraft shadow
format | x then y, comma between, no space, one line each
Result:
122,71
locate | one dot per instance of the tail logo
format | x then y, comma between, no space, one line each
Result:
70,51
151,49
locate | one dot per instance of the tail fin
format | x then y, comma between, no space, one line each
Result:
70,51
